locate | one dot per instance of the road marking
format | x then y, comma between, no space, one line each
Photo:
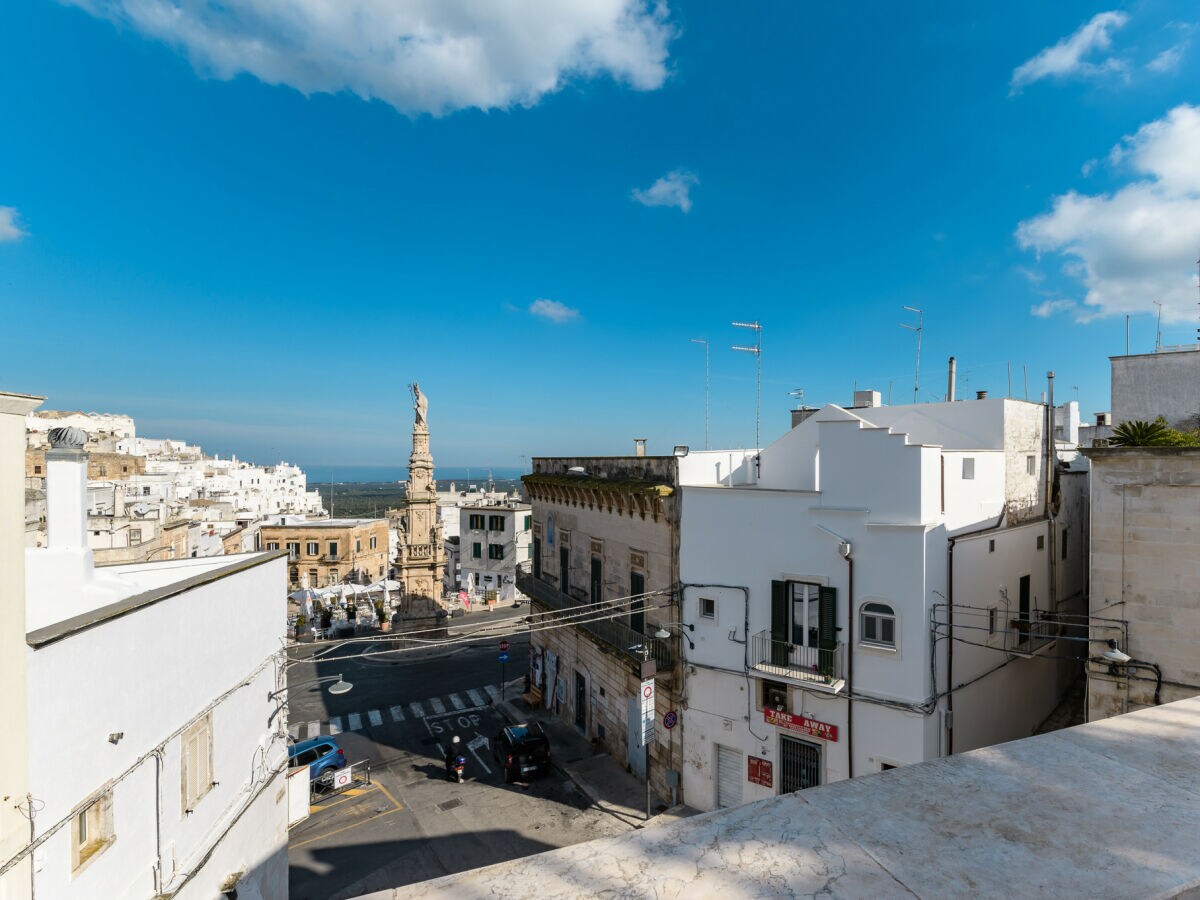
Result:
346,828
335,726
417,709
492,692
437,704
375,717
457,701
476,697
314,730
397,713
355,722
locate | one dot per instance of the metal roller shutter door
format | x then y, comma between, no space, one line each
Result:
729,777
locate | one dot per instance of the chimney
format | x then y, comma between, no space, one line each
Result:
639,446
950,380
66,490
981,395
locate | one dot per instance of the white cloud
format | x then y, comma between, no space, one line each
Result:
421,56
1137,245
1047,308
556,312
9,229
673,189
1168,60
1067,56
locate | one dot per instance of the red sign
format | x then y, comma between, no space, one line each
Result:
760,771
503,646
803,724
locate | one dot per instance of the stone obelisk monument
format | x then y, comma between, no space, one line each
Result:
421,557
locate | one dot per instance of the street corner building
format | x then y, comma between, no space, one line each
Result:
145,748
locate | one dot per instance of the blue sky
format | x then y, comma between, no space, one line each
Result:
253,231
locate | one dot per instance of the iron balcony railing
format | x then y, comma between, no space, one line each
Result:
614,633
794,661
1030,635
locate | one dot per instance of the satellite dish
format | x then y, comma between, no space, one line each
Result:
141,509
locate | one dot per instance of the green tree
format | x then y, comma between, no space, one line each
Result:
1138,433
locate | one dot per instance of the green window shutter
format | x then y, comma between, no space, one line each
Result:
827,617
779,622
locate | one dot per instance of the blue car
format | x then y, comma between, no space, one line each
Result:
320,754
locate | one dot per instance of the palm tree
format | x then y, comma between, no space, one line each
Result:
1140,434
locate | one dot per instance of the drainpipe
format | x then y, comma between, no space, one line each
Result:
949,651
1051,517
849,659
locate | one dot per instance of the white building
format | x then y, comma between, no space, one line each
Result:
494,537
156,757
889,587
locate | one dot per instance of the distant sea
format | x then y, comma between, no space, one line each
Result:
325,474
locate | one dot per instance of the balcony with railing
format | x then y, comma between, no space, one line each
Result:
1026,635
783,660
611,632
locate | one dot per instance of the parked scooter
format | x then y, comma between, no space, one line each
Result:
456,763
457,767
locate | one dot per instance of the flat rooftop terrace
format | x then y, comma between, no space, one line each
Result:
1108,809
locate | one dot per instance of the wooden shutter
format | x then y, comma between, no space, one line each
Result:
827,617
779,622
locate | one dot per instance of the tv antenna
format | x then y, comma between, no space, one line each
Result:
798,394
756,327
1158,332
704,341
918,328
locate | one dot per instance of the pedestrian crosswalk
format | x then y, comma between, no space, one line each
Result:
468,699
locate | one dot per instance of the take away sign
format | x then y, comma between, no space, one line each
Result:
801,724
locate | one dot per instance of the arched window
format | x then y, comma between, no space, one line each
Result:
878,623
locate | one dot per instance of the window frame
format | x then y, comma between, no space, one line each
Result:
968,468
879,617
496,552
712,602
91,830
196,762
312,548
476,550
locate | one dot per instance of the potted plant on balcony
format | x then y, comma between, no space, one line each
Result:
381,614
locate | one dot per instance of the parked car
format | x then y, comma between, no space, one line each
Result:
322,755
522,751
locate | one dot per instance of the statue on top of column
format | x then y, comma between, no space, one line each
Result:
420,405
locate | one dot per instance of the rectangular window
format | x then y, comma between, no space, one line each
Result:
145,492
374,542
708,608
313,578
294,575
878,625
528,522
135,537
992,620
968,468
197,762
312,548
805,615
991,545
774,696
1030,464
333,576
476,521
1041,542
37,470
91,830
293,549
495,523
476,550
1064,543
357,545
272,545
333,549
495,551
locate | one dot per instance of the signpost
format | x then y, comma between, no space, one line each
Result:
503,659
646,708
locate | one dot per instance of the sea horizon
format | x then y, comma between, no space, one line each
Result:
334,474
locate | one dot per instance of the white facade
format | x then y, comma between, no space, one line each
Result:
156,758
860,515
494,538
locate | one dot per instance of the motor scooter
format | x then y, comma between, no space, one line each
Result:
457,768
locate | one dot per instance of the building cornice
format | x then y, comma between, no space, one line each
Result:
622,497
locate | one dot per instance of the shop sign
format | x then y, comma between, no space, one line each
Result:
801,724
760,771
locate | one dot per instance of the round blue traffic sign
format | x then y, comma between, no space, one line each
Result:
503,657
670,718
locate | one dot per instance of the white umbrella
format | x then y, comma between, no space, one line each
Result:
386,585
304,594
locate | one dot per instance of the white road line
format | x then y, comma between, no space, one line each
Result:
335,725
375,717
457,701
417,709
314,730
493,692
397,713
355,722
437,704
476,697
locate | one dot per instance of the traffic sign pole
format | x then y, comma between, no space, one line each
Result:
503,659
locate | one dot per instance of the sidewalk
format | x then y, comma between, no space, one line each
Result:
598,775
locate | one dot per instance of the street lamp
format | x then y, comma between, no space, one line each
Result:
662,634
338,687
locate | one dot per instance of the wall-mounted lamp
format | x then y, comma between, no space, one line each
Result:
681,450
115,736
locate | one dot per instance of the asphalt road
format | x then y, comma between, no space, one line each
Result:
410,823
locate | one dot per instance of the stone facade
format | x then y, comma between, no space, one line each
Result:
615,523
1145,568
345,549
101,466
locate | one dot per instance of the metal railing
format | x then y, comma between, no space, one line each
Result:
1030,635
614,633
794,661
